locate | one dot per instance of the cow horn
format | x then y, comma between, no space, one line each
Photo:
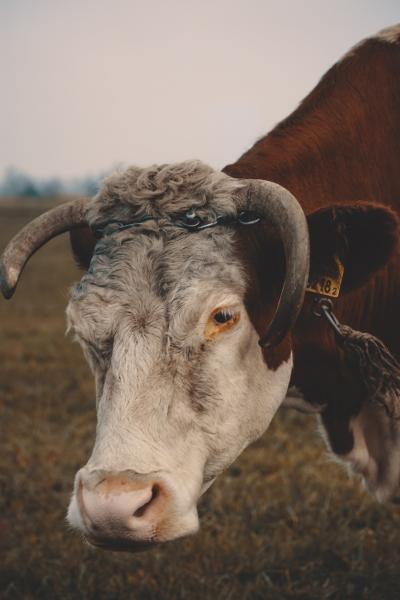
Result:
34,235
275,204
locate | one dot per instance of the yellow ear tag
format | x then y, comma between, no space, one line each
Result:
328,285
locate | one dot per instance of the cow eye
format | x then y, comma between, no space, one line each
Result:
220,320
223,316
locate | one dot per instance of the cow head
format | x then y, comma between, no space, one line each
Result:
168,321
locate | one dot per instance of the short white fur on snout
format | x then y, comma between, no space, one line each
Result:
171,403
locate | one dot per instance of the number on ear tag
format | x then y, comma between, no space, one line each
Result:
328,285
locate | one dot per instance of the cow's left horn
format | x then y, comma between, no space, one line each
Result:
34,235
280,207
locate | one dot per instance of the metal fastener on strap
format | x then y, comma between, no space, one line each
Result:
323,307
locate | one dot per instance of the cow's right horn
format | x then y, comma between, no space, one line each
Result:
34,235
278,206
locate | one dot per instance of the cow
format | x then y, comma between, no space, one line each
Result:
193,312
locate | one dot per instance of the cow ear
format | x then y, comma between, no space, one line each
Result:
362,236
82,245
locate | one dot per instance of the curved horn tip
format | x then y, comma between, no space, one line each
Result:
8,282
266,341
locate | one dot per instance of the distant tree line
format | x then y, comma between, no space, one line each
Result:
17,183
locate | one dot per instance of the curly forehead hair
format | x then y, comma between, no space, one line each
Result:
163,190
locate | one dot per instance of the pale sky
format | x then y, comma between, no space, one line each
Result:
86,84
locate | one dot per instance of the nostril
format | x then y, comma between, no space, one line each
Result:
155,490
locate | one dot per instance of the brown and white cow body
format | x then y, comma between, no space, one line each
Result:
169,320
341,147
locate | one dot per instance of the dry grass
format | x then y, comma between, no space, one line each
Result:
283,522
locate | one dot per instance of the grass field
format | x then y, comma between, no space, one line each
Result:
283,522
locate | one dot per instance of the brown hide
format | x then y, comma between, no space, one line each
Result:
342,146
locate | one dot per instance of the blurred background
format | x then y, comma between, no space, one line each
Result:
88,86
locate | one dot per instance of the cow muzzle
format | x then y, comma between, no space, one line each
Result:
118,511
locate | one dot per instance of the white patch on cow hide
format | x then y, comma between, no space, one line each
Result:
376,451
390,34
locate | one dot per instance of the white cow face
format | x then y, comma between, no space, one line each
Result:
161,314
182,387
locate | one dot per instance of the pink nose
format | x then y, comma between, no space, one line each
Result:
119,511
